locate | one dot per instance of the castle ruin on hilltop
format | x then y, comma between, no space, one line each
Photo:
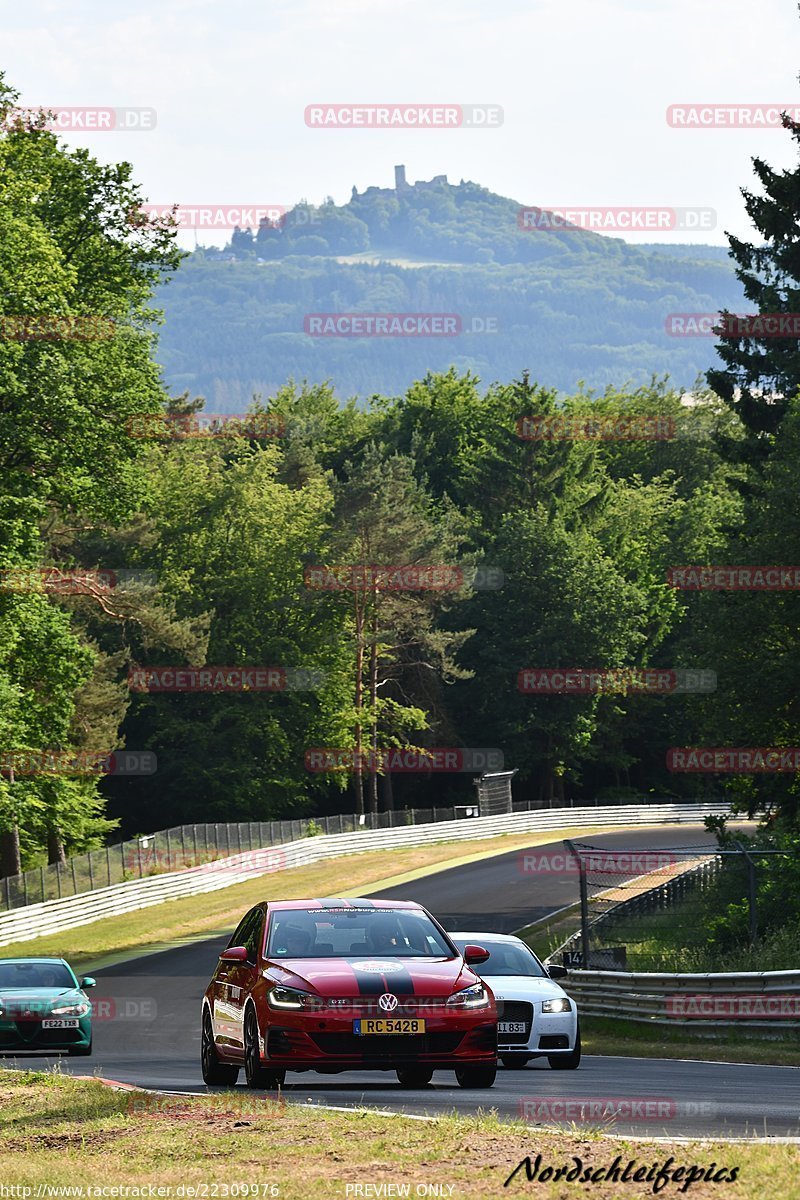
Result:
401,185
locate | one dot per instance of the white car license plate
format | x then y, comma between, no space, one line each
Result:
511,1027
60,1023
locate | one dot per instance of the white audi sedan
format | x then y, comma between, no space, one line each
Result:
536,1017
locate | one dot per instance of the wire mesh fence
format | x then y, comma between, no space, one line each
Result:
669,909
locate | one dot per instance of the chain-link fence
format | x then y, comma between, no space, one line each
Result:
683,909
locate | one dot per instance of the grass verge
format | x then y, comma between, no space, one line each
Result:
61,1132
604,1035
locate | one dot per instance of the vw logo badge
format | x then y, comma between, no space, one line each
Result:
388,1002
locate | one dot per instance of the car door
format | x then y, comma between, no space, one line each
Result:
243,976
227,982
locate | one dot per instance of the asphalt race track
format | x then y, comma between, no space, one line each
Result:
147,1031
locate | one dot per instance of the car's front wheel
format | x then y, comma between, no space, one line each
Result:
256,1075
414,1076
476,1077
514,1062
567,1062
215,1073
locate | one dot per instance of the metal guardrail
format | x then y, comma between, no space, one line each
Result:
55,915
712,1004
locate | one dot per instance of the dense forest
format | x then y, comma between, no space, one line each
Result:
570,306
278,542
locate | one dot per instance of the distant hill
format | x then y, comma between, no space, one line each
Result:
567,305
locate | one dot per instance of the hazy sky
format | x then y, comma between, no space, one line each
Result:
584,86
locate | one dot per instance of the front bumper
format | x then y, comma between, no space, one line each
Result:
544,1033
301,1043
28,1034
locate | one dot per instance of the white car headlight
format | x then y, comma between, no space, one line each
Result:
561,1004
75,1008
475,996
293,998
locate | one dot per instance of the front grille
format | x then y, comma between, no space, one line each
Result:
389,1046
29,1034
554,1041
514,1010
407,1006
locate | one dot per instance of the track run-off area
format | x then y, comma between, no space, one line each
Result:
153,1038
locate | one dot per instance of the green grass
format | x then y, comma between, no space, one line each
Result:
630,1039
59,1131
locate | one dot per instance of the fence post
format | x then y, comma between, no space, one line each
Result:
58,878
74,880
91,872
169,852
584,903
108,864
751,894
41,873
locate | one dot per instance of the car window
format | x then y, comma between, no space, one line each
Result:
253,934
36,975
507,958
246,928
355,933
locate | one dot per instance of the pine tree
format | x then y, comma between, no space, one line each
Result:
762,374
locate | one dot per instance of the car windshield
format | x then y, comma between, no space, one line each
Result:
354,932
505,958
35,975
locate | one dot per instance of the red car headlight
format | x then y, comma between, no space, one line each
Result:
475,996
291,998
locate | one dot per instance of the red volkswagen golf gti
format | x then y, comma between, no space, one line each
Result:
342,985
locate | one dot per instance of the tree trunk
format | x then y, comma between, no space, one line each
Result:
10,861
358,778
373,701
388,793
55,847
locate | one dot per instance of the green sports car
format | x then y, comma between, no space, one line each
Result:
43,1008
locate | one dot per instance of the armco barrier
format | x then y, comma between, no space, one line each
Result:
712,1004
55,915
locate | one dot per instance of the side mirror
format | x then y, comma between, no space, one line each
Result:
474,955
88,982
234,954
557,972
